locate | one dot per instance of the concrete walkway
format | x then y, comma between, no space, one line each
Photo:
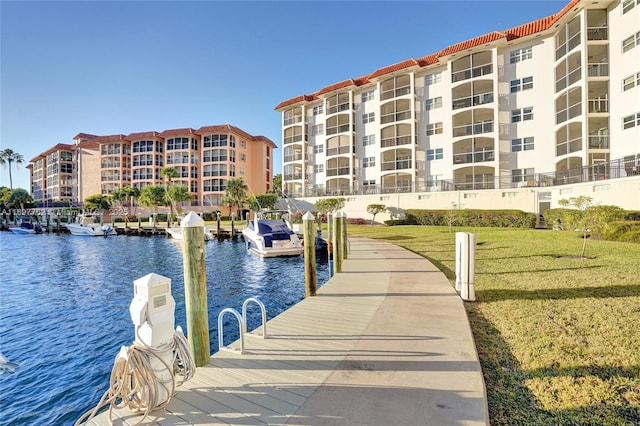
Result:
385,342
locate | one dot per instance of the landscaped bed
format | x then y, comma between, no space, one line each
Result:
558,335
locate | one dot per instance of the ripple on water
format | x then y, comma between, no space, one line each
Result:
64,311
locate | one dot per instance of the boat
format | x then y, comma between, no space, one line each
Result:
84,227
26,226
176,233
270,234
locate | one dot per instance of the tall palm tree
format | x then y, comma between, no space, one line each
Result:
237,192
7,156
168,174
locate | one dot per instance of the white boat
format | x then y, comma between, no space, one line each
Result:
85,227
26,226
270,234
176,233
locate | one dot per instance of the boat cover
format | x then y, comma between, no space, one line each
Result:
273,229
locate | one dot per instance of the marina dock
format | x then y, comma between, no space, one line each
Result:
385,342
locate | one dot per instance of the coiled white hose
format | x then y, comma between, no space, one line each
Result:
133,383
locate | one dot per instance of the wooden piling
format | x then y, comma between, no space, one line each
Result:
337,243
195,288
308,222
329,226
343,236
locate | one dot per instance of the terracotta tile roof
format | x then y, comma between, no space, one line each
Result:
84,136
474,42
56,147
392,68
223,128
337,86
533,27
177,132
143,136
109,139
265,139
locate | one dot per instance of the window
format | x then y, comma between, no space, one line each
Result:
627,5
433,103
521,84
317,129
368,140
367,96
317,110
522,175
369,182
435,154
631,121
434,78
434,128
522,144
318,168
630,82
523,114
318,149
243,157
520,54
368,161
631,42
368,118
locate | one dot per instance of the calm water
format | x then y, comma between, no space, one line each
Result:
64,310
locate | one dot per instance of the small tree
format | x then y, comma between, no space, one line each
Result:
453,215
237,191
97,202
152,196
329,205
588,218
258,202
374,209
19,198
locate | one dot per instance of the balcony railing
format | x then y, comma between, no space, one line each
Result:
477,156
598,105
471,73
294,157
396,165
292,120
293,176
475,100
338,129
473,129
400,140
292,139
568,147
597,33
598,70
339,108
598,142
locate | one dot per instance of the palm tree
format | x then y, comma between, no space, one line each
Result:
7,156
237,192
167,174
20,198
178,194
152,196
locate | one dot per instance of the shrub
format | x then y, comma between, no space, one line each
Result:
355,220
627,231
394,222
475,218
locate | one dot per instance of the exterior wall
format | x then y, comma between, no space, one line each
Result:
88,159
624,193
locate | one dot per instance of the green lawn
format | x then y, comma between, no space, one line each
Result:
558,337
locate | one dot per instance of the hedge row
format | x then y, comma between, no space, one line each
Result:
469,217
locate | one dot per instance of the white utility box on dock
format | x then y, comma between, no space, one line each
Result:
153,310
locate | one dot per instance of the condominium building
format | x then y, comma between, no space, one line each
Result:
205,160
549,102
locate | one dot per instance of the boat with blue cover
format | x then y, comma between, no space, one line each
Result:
270,234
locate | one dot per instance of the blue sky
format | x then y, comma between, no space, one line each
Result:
107,67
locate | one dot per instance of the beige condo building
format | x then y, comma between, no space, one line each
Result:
205,159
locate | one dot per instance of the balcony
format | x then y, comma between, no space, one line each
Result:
471,73
292,176
399,140
292,139
395,93
288,121
598,105
339,108
568,147
340,171
598,70
569,113
473,129
568,80
293,157
477,156
397,165
481,99
597,33
339,151
598,142
398,116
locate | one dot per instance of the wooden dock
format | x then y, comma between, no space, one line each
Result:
385,342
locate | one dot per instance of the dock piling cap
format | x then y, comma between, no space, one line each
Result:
308,216
191,221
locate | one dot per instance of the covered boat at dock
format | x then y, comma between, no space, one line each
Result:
270,234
